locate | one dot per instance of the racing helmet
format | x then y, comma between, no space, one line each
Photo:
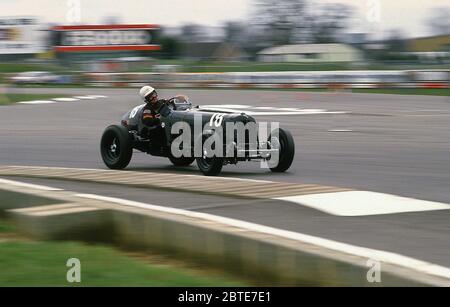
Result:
145,91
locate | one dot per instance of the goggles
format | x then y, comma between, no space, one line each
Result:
151,96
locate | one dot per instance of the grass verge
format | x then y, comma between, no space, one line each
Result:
36,263
17,67
44,264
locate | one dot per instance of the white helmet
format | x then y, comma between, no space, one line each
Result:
145,91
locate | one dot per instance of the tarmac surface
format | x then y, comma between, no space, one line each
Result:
385,143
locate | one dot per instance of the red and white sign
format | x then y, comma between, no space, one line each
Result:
91,38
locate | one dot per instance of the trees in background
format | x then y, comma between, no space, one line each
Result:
280,22
193,33
272,23
235,32
329,22
301,21
170,47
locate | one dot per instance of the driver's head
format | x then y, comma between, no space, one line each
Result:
148,94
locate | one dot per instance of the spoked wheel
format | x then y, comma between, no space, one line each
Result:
209,166
283,141
116,147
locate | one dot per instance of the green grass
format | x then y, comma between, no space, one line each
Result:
44,264
22,67
6,99
37,263
6,227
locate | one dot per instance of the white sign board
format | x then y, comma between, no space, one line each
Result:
19,35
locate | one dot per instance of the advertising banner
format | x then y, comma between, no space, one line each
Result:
19,35
93,38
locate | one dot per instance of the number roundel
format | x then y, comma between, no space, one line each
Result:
216,120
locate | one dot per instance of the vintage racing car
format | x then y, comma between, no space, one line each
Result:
118,141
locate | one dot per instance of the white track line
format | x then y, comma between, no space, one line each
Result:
362,203
227,106
340,130
85,97
253,113
367,253
296,113
28,185
65,99
37,102
270,111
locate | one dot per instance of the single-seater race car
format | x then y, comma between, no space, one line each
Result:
213,138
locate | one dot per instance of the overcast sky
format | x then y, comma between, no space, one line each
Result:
406,15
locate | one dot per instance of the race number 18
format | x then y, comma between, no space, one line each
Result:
216,120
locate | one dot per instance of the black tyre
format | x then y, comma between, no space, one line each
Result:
209,166
182,161
116,147
286,147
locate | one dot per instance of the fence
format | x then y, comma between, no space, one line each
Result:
307,79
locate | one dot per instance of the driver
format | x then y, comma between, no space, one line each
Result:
151,116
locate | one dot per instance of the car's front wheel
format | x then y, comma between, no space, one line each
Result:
116,147
209,165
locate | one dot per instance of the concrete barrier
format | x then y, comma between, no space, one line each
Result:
270,256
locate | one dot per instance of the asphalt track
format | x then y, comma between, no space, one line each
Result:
386,143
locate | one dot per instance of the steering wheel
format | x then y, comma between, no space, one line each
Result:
171,104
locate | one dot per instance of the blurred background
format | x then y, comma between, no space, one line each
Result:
148,39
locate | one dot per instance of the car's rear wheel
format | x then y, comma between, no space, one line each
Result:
284,142
181,161
116,147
